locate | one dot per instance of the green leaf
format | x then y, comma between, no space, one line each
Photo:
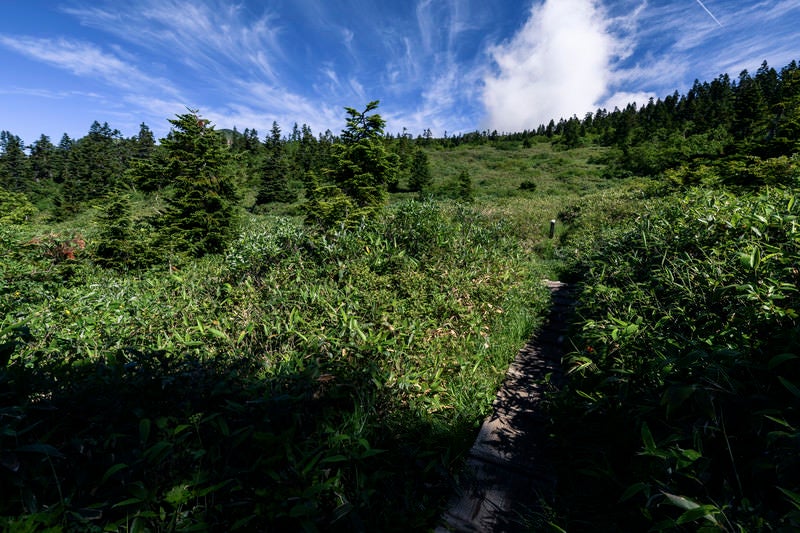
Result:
647,438
138,490
791,387
334,459
780,358
129,501
217,333
703,511
44,449
113,470
156,453
780,421
681,501
144,430
794,498
633,490
178,495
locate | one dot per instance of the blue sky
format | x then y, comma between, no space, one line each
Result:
448,65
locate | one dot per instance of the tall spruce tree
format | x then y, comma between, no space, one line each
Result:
13,163
43,168
201,214
275,171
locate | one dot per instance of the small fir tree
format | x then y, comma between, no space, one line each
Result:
465,193
420,178
115,246
361,167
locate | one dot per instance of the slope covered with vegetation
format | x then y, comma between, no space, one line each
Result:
221,332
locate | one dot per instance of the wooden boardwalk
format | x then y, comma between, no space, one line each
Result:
507,481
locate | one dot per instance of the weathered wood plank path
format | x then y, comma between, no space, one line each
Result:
507,475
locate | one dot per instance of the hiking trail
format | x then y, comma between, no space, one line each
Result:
507,474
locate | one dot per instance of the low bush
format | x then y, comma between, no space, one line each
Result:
684,394
305,379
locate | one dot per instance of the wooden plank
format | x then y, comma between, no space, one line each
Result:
507,475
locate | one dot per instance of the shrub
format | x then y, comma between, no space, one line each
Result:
684,386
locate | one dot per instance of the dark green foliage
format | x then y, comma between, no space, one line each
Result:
45,165
115,247
143,143
361,168
751,116
151,173
92,165
684,396
326,205
305,380
201,214
571,133
13,163
307,157
465,192
420,178
275,171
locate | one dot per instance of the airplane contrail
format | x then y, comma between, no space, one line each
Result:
709,12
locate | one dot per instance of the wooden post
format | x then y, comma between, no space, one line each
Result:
552,228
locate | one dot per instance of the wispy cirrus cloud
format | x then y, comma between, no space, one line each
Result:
83,59
206,36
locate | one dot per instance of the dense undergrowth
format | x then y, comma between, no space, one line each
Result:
332,379
682,409
303,380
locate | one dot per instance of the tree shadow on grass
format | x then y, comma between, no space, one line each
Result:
171,442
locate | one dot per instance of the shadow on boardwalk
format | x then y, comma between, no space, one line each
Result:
507,481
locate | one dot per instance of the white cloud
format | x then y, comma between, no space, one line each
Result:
82,59
206,36
622,99
557,65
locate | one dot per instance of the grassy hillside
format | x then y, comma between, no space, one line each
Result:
333,380
302,379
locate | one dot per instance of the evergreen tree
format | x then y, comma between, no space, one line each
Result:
15,208
200,218
115,246
420,177
43,165
571,136
275,171
751,110
42,160
149,174
13,163
63,150
786,138
94,165
361,165
144,143
405,154
465,193
307,150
